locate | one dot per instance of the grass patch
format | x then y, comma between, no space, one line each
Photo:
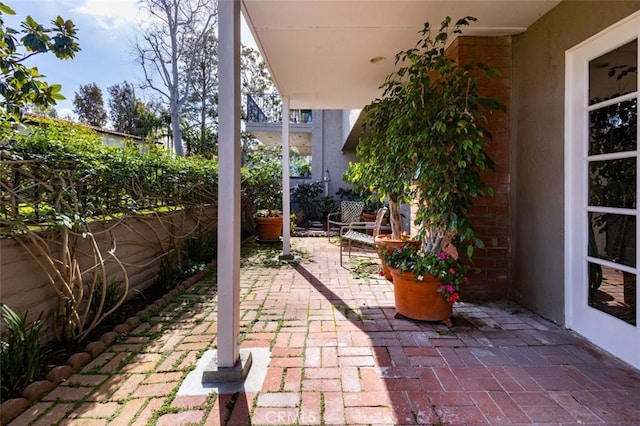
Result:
365,268
267,255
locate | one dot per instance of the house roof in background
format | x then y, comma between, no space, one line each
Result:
319,51
35,119
117,134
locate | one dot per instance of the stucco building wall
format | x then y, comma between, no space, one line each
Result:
328,139
538,147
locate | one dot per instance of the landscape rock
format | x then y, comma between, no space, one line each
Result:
36,390
59,373
95,348
79,360
109,338
11,408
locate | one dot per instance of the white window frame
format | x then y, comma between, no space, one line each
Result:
599,327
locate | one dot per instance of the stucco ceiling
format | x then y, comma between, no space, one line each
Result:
273,136
319,51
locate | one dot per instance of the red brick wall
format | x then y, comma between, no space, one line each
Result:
491,216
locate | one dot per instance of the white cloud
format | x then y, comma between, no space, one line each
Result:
67,113
110,14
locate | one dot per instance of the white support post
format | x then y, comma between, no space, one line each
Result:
286,201
229,184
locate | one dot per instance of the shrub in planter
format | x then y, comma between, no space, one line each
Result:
442,265
262,181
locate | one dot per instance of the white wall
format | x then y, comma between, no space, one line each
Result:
329,132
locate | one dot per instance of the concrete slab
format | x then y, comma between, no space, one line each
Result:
213,373
193,386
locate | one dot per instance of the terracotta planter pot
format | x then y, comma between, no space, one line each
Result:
368,217
419,299
268,229
385,240
371,217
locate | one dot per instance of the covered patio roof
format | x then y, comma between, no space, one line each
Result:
322,54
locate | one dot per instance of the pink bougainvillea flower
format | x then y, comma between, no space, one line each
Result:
453,298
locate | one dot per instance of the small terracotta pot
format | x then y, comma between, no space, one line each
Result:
419,299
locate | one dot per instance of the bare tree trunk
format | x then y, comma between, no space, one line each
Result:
395,217
203,112
176,130
178,27
176,102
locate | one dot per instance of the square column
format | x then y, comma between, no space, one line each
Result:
229,184
286,182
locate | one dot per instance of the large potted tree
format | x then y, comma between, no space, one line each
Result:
385,173
382,171
427,142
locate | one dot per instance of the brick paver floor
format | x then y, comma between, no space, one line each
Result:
338,356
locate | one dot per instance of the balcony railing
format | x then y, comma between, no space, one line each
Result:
267,108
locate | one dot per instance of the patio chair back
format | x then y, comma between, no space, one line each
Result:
379,218
350,211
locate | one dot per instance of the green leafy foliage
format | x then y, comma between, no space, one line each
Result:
20,84
192,255
305,196
383,168
113,293
262,178
169,272
131,115
60,174
89,105
21,355
438,264
426,137
200,248
300,165
373,200
59,177
327,205
200,109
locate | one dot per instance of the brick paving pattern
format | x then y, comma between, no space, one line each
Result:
338,356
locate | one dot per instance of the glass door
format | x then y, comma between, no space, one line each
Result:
602,188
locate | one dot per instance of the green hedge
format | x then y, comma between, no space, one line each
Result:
61,173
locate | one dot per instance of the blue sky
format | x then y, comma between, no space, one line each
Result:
106,31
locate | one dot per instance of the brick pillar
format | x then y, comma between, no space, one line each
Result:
491,216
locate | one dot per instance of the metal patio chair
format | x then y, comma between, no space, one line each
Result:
350,211
356,232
